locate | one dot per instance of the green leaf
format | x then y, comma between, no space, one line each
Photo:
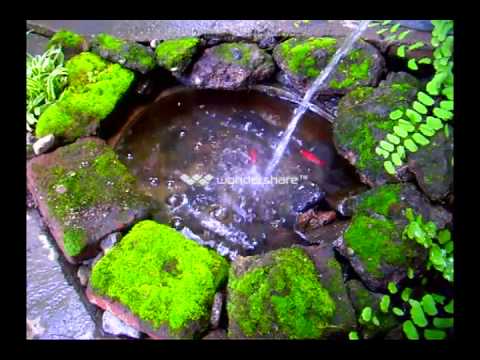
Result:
397,161
447,133
448,92
373,24
393,139
425,60
394,28
400,131
431,229
409,214
412,64
436,257
439,299
381,152
447,46
413,115
401,152
407,125
367,314
434,123
446,105
416,45
387,146
449,307
443,323
419,107
397,311
420,139
375,321
389,167
433,86
406,293
396,114
425,99
410,145
403,34
392,287
385,303
442,113
433,334
449,247
426,130
444,236
386,22
410,330
416,312
379,32
429,306
353,335
410,275
401,51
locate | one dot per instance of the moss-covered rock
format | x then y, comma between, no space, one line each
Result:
127,53
176,54
70,42
84,192
303,59
361,297
231,66
363,120
163,278
278,295
433,166
94,88
373,241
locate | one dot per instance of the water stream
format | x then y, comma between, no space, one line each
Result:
312,91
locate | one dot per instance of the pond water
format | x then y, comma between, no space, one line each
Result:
203,154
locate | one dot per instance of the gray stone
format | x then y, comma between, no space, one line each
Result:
113,325
216,310
83,274
43,144
54,308
109,241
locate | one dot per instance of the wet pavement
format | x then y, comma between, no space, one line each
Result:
147,30
54,308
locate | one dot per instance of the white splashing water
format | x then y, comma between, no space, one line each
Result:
300,110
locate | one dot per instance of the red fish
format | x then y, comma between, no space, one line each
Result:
312,157
252,153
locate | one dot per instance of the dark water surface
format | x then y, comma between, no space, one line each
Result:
226,139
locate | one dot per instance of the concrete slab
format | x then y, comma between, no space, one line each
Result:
54,308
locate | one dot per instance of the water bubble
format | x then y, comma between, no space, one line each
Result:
177,223
153,180
174,200
197,146
129,156
182,134
201,106
179,104
84,164
220,213
170,184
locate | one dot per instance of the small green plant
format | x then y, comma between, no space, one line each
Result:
432,109
424,314
46,79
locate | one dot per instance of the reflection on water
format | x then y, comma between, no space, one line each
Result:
203,154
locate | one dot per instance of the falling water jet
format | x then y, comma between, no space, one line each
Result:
304,105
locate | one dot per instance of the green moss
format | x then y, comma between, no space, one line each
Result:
161,276
380,199
372,241
285,292
109,42
355,68
299,56
74,241
94,88
227,50
176,53
336,284
102,181
361,94
66,38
